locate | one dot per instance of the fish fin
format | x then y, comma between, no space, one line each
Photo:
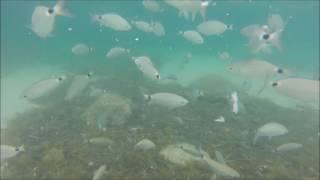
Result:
230,27
275,40
21,148
185,14
203,12
147,97
60,10
255,139
193,16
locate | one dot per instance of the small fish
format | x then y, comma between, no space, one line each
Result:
81,49
192,36
167,100
256,68
42,88
158,29
78,85
298,88
187,7
145,65
262,38
10,151
43,18
145,144
235,102
220,119
98,174
270,130
213,27
151,5
100,141
288,147
113,21
220,157
117,52
224,55
143,26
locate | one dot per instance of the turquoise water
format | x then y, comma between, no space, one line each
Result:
53,130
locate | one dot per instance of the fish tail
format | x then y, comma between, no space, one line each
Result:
255,139
60,10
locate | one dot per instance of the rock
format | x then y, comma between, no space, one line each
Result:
108,109
145,144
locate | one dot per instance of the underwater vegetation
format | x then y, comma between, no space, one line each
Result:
56,136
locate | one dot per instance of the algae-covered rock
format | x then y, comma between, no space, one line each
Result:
108,109
213,86
54,159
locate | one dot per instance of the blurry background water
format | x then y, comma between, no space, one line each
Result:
26,58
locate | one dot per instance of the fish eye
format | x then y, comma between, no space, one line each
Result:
265,36
99,17
274,84
230,68
60,78
16,149
181,147
280,71
158,76
50,11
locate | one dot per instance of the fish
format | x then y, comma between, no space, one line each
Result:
158,29
262,38
77,86
43,19
213,27
116,52
288,147
10,151
98,174
168,100
151,5
301,89
145,144
220,119
192,36
145,65
221,169
81,49
256,68
270,130
224,55
42,88
113,21
100,141
187,7
143,26
235,102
